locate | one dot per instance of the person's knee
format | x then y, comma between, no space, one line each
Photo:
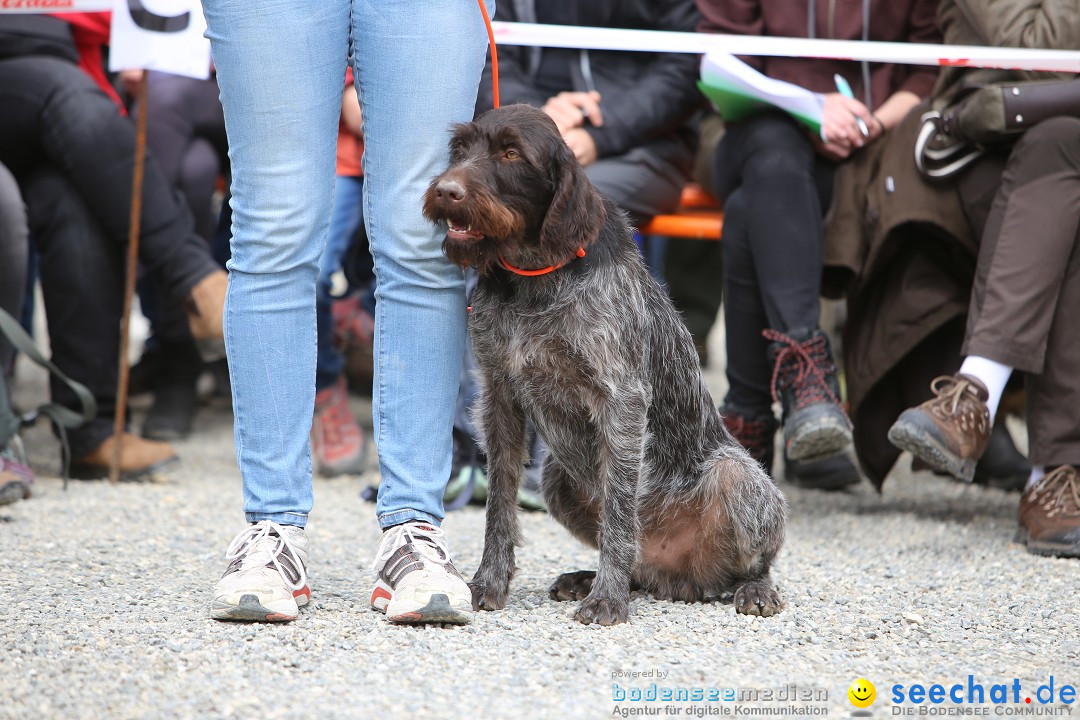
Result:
1051,143
774,133
770,167
50,199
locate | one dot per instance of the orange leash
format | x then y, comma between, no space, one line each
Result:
494,53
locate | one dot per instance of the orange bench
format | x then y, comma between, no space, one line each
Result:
698,218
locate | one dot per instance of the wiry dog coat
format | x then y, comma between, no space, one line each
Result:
593,351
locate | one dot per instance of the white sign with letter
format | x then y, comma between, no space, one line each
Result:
164,35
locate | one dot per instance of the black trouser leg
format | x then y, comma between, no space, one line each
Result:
748,372
81,279
775,190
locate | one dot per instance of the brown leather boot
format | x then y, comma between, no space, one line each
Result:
950,431
205,308
1050,514
139,459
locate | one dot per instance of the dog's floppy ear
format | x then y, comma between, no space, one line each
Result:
576,213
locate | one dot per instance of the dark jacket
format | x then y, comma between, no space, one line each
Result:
645,97
904,249
889,20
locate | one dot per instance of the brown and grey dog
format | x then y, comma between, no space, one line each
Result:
589,347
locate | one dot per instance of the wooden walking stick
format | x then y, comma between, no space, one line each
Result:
129,277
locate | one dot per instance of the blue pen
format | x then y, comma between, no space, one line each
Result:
845,90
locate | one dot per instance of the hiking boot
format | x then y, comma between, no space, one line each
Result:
337,442
805,383
15,475
205,308
832,473
139,459
755,433
1002,466
950,431
1050,514
266,580
417,581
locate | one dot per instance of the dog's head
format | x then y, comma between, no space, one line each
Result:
514,189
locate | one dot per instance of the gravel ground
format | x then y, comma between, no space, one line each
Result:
104,611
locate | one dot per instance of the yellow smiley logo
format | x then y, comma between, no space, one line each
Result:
862,693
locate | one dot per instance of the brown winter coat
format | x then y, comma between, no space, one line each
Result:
902,249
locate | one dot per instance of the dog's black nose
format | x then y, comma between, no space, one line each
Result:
450,190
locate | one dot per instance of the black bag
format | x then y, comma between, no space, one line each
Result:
985,115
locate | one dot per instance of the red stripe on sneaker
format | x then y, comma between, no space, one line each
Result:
302,591
380,593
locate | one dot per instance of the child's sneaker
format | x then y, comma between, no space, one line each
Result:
266,580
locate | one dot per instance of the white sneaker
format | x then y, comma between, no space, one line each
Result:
417,580
266,580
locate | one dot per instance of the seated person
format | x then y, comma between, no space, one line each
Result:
186,135
626,115
63,138
775,182
1022,312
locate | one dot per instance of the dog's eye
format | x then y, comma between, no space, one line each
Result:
511,154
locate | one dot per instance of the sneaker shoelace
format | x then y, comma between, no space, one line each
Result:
266,544
1059,487
428,543
802,366
958,399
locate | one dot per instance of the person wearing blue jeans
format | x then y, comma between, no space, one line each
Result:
417,64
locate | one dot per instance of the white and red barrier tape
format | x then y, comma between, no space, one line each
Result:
660,41
884,52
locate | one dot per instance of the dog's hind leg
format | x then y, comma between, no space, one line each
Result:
577,513
619,448
758,514
502,423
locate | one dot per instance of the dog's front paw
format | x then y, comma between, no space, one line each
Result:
758,597
488,597
572,585
603,611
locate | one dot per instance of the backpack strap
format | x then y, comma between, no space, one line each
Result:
61,417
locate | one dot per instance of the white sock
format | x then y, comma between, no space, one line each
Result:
993,375
1037,473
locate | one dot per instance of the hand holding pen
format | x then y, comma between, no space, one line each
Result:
847,124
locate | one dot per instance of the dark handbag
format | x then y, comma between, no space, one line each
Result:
982,116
